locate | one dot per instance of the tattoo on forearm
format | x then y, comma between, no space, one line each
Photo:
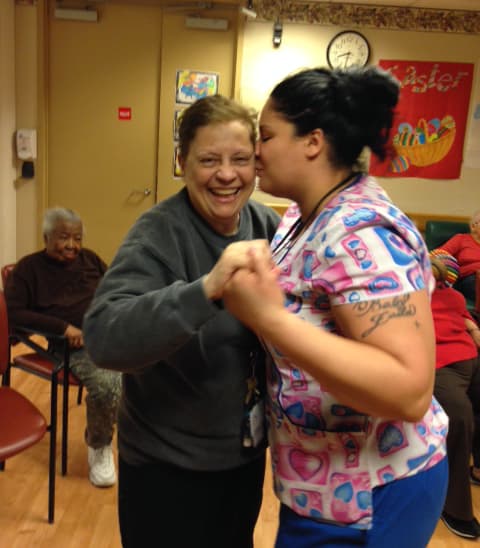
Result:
380,312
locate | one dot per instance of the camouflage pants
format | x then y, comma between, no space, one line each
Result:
103,394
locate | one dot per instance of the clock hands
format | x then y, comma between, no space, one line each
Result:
347,56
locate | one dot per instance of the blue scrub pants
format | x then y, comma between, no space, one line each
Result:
405,514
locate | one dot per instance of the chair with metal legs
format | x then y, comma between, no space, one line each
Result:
22,424
51,363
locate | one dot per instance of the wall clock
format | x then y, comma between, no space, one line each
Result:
347,49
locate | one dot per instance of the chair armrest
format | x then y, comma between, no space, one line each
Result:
29,331
24,334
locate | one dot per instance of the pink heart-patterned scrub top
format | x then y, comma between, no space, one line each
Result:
326,457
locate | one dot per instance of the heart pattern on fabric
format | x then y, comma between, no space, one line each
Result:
306,466
295,410
364,500
344,492
329,253
390,439
301,499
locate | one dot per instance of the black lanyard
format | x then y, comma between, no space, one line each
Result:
291,236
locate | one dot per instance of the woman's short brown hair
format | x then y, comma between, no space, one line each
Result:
215,109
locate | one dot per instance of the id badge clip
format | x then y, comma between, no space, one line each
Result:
254,412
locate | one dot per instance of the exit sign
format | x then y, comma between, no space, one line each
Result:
124,113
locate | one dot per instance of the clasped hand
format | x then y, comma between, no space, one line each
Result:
246,278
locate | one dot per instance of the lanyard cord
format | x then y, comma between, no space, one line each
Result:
297,227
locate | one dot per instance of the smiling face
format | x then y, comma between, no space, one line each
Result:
65,241
280,154
219,173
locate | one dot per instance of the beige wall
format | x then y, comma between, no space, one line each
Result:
184,48
7,129
305,46
26,79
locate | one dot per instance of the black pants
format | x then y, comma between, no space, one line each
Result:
466,286
457,389
164,506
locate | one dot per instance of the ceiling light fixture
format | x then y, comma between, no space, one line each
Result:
249,10
205,23
72,14
277,34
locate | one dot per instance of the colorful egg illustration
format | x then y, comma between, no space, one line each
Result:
421,138
448,121
405,127
404,138
433,125
399,164
442,131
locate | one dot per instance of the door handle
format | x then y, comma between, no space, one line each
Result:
137,192
137,195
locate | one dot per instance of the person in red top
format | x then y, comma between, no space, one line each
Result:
457,389
466,249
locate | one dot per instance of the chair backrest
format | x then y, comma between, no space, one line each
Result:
6,269
4,344
438,232
5,272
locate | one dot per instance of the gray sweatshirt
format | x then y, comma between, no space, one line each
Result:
185,359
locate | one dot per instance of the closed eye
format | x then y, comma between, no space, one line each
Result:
207,162
242,160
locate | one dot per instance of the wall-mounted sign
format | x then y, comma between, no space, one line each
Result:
431,116
124,113
193,85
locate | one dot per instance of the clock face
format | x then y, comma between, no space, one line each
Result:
348,49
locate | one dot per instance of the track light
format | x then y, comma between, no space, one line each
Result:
249,10
277,34
249,13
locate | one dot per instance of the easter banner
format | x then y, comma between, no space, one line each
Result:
429,127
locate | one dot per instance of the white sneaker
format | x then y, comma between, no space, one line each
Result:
102,468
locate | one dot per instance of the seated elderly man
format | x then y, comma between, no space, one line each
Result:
50,290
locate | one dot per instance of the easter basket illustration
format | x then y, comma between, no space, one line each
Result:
426,144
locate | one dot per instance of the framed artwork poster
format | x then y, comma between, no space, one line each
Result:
192,85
